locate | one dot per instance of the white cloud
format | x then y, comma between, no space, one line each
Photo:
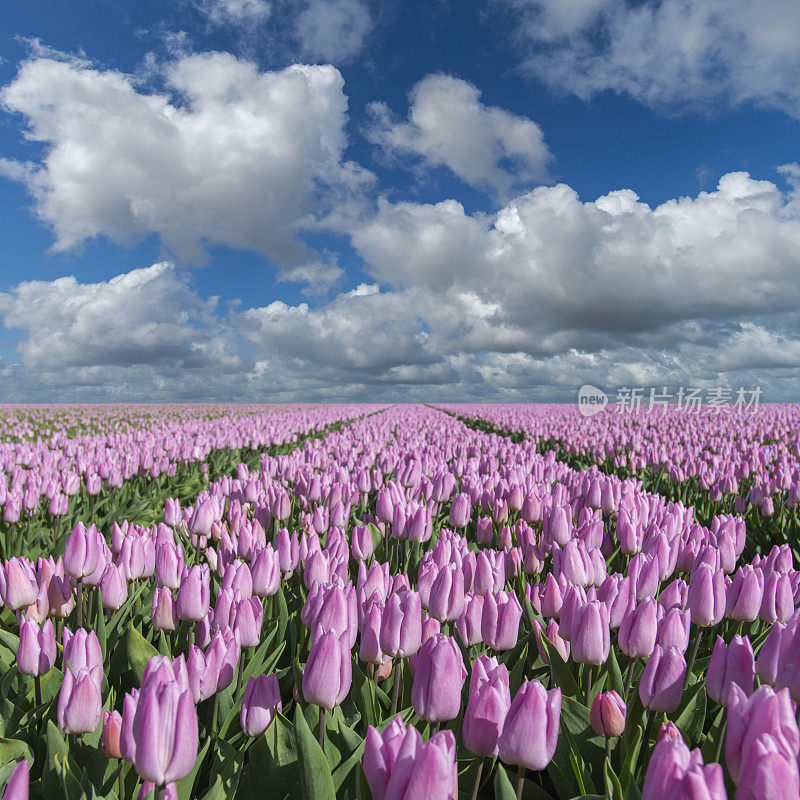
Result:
319,277
529,303
148,316
333,30
548,262
671,54
235,12
233,156
486,146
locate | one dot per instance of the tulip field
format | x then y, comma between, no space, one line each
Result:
399,602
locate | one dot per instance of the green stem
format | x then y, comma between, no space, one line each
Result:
214,715
693,656
478,776
520,781
588,685
398,679
651,715
629,679
79,604
322,728
37,690
721,739
239,674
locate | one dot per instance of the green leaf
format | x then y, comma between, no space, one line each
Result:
560,673
272,762
613,786
140,651
517,674
691,713
715,732
283,614
503,789
216,792
615,673
355,744
10,640
102,634
12,750
629,765
315,774
185,786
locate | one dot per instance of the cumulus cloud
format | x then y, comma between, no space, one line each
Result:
609,265
231,155
333,30
529,303
486,146
319,277
671,54
148,316
235,12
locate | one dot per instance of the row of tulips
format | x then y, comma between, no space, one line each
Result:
432,606
744,461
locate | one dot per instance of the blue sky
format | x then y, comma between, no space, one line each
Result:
448,162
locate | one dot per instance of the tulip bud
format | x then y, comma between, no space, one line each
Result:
370,649
37,647
79,702
530,732
262,699
328,672
733,663
706,597
460,511
765,712
637,634
113,588
446,600
81,552
109,739
169,566
500,620
468,624
768,772
607,714
19,588
266,572
81,650
661,684
163,611
226,650
676,772
674,629
590,635
165,729
401,625
248,621
438,678
488,705
362,542
745,594
202,517
194,594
